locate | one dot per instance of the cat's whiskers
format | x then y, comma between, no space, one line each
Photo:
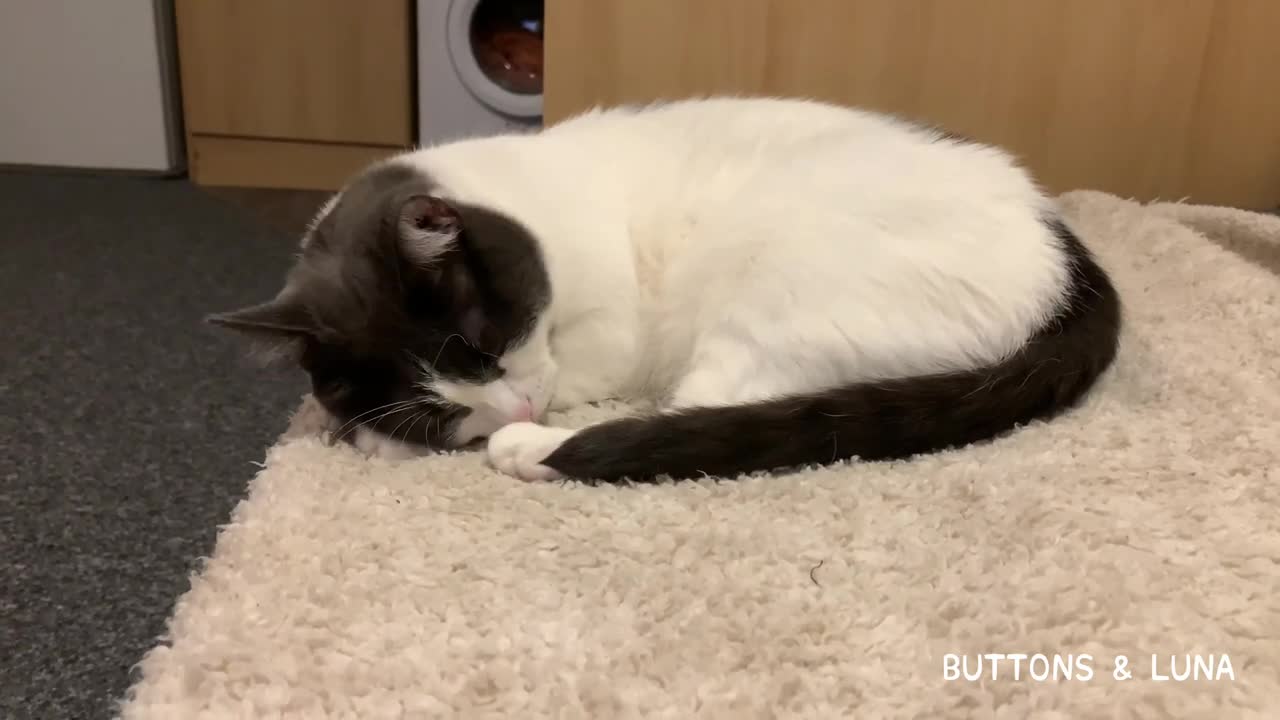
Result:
337,434
392,435
429,374
426,435
411,419
445,344
414,423
395,406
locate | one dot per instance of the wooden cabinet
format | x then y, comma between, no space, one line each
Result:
280,93
1143,98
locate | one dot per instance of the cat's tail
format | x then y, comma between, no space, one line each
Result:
871,421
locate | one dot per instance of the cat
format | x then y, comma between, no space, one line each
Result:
792,282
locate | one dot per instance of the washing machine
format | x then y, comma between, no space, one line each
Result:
479,67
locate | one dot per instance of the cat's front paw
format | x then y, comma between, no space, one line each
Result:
519,449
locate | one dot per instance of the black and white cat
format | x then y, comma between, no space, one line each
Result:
793,282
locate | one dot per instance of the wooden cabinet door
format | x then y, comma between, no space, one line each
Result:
1143,98
316,70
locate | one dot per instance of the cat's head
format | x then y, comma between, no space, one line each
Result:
416,316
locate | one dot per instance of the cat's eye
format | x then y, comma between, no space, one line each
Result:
335,388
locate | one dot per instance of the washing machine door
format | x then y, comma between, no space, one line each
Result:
496,49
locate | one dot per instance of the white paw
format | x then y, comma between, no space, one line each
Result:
519,449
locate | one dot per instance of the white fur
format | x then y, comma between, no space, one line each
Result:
424,247
727,250
518,450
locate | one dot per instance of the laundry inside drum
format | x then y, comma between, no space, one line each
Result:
506,38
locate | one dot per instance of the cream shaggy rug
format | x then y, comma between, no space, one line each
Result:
1147,522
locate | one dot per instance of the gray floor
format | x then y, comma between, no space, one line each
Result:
127,428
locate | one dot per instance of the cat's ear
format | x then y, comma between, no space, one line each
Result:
428,230
427,227
279,328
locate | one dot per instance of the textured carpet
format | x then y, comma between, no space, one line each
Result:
1145,522
127,428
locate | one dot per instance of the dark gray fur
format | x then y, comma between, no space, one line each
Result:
363,318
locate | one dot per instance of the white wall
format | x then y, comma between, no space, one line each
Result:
83,84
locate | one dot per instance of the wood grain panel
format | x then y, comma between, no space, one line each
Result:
1233,149
249,162
1144,98
327,70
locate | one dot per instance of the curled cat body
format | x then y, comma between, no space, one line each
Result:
789,282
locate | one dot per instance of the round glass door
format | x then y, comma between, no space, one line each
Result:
496,47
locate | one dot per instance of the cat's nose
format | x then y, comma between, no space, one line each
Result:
524,412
